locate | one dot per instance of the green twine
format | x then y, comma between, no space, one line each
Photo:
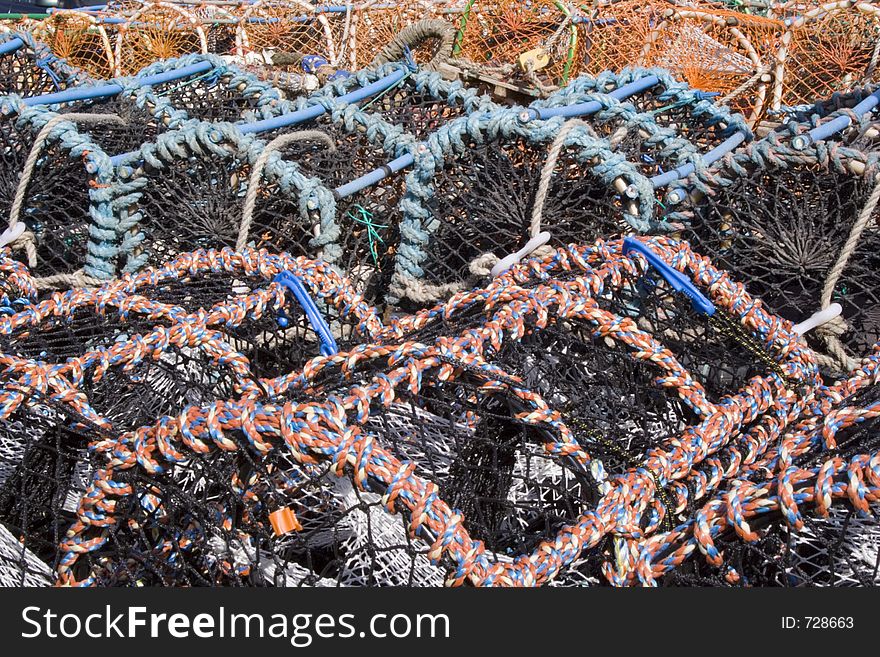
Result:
387,89
365,218
459,36
680,103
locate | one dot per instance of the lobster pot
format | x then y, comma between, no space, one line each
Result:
295,28
421,103
790,226
204,176
829,48
223,93
480,198
81,40
599,366
358,230
32,69
239,517
689,113
833,540
69,221
861,134
726,52
599,371
532,41
465,443
277,337
187,190
376,23
615,33
44,464
120,360
153,32
721,352
219,24
54,183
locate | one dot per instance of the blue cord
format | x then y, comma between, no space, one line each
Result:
678,281
291,282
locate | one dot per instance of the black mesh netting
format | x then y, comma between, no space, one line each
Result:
55,204
218,96
26,73
483,202
782,229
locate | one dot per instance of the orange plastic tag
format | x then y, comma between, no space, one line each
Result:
284,521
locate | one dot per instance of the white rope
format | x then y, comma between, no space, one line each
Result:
250,199
489,263
26,240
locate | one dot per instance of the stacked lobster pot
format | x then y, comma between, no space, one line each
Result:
397,333
306,442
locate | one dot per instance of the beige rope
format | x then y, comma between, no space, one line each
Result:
553,154
250,199
745,86
76,279
482,265
831,331
27,240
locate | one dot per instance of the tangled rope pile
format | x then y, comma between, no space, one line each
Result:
398,330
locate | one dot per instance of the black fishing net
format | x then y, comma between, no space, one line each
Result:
213,327
55,201
29,72
224,93
483,200
783,229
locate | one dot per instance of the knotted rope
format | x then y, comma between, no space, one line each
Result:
27,240
831,331
250,199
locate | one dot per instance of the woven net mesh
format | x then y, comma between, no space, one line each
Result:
290,27
223,93
29,73
382,466
722,51
483,201
377,23
153,33
80,40
828,51
616,34
495,34
56,201
783,229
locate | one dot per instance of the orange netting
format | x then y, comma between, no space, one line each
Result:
537,38
377,22
219,24
291,26
154,32
80,39
720,51
831,48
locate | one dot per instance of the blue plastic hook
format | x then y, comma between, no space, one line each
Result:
291,282
678,281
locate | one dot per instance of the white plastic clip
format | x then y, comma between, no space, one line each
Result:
817,319
11,234
513,259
